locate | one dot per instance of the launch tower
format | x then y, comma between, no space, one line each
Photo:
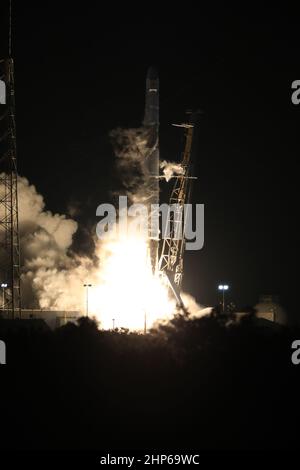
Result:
9,229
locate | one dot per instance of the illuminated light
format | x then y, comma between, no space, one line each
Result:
125,289
223,287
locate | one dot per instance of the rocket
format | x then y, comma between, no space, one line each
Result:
151,117
151,126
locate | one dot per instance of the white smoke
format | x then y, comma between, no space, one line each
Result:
132,151
52,275
55,227
193,308
170,169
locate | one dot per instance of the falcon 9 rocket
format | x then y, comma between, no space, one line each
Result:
151,126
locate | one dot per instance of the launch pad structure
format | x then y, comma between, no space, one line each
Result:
169,261
173,244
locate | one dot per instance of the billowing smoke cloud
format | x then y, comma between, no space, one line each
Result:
194,309
32,215
52,274
132,151
170,169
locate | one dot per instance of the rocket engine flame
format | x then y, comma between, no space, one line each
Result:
126,289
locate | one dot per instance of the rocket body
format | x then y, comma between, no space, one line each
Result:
151,117
151,126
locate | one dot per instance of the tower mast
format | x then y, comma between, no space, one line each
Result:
9,225
171,258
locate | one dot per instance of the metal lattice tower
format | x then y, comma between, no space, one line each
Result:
9,229
171,258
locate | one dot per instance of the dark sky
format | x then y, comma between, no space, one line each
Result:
80,72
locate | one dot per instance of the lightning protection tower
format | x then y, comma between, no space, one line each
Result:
10,301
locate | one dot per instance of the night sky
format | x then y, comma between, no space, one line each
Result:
80,72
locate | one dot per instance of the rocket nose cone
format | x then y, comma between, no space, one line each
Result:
152,73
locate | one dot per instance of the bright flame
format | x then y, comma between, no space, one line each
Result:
127,293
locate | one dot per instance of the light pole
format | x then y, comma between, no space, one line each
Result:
87,297
3,286
223,288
